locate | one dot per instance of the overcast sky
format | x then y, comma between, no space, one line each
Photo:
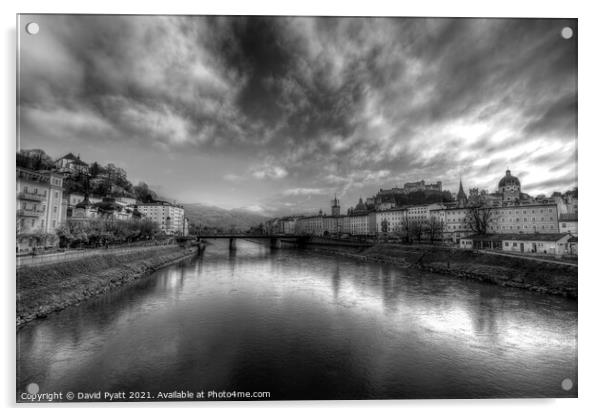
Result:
276,114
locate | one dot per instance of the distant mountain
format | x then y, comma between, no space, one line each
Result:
210,216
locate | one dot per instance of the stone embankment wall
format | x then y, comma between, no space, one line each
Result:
42,290
528,274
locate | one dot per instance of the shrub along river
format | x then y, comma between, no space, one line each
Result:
302,325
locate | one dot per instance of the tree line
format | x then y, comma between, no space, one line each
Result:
102,232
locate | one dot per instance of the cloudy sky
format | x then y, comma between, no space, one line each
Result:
277,114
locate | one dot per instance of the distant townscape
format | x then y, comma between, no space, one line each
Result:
507,219
69,203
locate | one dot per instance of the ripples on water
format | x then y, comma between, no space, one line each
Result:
306,326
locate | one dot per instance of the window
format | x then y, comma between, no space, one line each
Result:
513,244
506,243
54,209
53,223
564,225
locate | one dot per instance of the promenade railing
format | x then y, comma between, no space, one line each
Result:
76,254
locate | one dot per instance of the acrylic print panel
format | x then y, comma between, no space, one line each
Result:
275,208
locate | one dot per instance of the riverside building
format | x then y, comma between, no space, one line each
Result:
524,219
169,217
455,224
556,244
39,207
391,220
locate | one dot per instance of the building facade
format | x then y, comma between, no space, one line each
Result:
454,221
332,225
313,225
567,223
540,244
71,164
421,214
524,219
390,221
39,205
169,217
358,224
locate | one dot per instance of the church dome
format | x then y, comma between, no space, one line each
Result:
84,204
360,206
508,180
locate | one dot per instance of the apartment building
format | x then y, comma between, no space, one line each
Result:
39,205
391,220
524,219
169,217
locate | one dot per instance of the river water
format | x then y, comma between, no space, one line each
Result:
301,325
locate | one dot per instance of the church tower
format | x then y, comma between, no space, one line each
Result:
461,197
335,207
509,187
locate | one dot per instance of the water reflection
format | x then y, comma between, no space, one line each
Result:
303,325
336,280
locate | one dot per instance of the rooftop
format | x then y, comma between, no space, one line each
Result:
76,160
568,217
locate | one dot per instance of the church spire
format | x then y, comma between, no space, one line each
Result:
461,198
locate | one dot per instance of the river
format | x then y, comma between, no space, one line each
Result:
302,325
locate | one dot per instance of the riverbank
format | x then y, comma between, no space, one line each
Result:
521,273
42,290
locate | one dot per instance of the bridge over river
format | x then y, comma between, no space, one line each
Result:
276,240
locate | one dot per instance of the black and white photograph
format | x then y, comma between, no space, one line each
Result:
217,208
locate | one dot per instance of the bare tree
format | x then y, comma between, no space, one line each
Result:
479,219
477,197
434,229
384,226
407,229
416,229
479,216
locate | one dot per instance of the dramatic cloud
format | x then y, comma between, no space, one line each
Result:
269,112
